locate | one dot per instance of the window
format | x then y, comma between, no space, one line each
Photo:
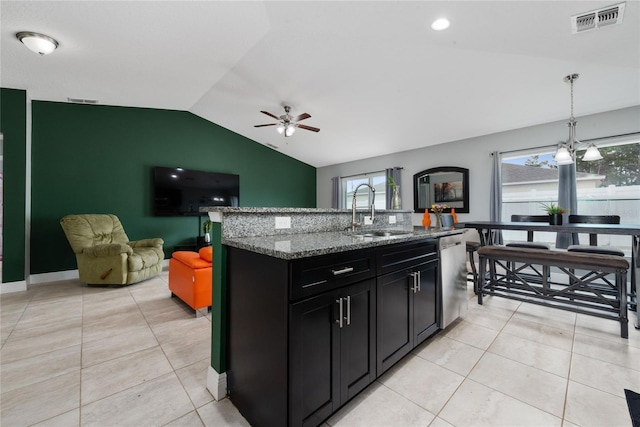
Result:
610,186
377,180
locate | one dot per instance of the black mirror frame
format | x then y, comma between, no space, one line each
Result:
465,187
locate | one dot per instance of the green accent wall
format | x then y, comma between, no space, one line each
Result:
99,159
13,125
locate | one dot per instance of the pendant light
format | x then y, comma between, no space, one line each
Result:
565,155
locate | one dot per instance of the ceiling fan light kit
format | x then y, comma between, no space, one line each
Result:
288,124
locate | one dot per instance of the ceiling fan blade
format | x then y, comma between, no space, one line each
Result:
270,124
301,117
270,115
311,128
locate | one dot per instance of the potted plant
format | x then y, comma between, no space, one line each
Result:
555,212
396,203
206,228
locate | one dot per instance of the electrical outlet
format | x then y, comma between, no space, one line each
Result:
392,219
283,222
368,220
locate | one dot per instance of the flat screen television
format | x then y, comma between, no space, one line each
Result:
182,192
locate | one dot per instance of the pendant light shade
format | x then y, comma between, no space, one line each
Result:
38,43
563,157
592,154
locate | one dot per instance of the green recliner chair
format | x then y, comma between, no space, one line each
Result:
104,254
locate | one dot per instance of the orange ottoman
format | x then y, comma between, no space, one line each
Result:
190,277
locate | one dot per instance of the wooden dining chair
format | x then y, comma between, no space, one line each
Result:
594,219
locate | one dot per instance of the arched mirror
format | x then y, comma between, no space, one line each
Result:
446,185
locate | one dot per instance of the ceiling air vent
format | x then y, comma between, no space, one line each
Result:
598,18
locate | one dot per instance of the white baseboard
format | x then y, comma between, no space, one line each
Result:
10,287
217,384
54,276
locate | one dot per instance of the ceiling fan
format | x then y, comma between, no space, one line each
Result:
287,124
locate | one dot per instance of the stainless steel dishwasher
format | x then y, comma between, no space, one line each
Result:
453,278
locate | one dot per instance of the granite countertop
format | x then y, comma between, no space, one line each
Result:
295,246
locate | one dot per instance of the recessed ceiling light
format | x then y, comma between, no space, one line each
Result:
440,24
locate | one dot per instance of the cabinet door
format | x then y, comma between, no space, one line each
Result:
314,391
357,339
424,302
395,318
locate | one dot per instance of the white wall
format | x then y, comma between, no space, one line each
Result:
474,154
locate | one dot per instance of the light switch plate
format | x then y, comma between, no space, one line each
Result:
283,222
392,219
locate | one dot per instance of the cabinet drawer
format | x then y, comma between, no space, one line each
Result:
405,255
312,276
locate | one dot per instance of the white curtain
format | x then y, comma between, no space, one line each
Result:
335,193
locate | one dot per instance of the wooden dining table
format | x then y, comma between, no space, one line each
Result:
488,232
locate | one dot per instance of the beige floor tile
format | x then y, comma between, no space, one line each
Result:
474,335
113,376
542,334
99,328
31,370
187,350
40,401
192,419
21,348
221,414
53,312
44,293
497,302
608,330
531,353
194,379
114,305
68,419
608,351
414,378
537,388
474,404
379,406
177,328
604,376
127,342
450,354
439,422
151,403
547,316
43,328
492,318
587,407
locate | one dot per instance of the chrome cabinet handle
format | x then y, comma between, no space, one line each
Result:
340,313
414,286
348,310
418,281
342,271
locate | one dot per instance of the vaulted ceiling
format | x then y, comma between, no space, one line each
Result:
374,76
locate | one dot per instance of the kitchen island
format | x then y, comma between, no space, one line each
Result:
315,317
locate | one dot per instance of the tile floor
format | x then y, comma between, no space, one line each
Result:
73,355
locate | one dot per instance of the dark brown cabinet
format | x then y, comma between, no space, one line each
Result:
406,304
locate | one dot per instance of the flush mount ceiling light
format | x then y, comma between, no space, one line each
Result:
38,43
440,24
566,153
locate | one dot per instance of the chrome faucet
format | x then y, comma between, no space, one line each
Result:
354,223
